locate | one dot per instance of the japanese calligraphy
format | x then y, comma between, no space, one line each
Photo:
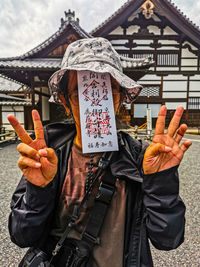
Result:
98,127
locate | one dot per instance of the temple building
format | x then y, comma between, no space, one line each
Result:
148,30
14,98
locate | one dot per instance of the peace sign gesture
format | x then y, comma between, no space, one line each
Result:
37,162
165,150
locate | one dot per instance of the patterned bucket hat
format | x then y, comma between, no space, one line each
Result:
97,55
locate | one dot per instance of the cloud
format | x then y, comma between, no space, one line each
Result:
25,24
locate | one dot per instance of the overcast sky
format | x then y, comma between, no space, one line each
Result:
26,23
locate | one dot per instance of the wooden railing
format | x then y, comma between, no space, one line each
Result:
7,135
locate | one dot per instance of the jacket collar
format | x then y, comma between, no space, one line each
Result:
124,163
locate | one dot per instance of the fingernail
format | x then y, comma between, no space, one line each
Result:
43,152
167,149
179,110
37,156
37,165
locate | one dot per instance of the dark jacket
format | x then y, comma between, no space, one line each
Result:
154,208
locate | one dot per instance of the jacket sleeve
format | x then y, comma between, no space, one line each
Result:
31,207
164,209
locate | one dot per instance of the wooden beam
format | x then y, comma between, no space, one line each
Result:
42,94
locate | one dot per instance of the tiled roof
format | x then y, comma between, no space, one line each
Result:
129,2
39,63
74,25
13,103
8,85
54,64
6,100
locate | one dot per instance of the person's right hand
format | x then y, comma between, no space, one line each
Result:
37,162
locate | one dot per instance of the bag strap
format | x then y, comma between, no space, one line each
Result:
102,202
102,165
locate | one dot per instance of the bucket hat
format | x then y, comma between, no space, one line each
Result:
96,55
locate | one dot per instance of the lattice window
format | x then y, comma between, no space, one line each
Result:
150,91
167,59
143,55
194,103
164,58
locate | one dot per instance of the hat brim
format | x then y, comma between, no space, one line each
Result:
132,89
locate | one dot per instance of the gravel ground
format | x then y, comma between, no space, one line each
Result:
187,255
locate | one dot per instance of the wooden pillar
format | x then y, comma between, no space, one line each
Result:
1,116
188,90
132,112
161,87
180,55
33,90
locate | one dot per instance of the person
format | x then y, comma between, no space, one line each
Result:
146,203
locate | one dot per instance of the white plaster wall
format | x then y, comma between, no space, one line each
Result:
143,48
167,68
166,42
118,30
174,86
45,108
186,53
154,29
189,62
175,77
148,77
189,68
169,47
195,86
6,110
143,42
195,77
194,94
150,82
11,108
174,95
119,41
132,29
140,110
192,46
169,31
174,105
121,47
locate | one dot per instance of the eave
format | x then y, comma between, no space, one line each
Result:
8,85
6,100
46,64
164,7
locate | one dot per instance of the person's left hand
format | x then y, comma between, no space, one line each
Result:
165,150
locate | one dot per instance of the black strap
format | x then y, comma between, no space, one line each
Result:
102,201
103,164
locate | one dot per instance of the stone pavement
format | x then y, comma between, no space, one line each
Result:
187,255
